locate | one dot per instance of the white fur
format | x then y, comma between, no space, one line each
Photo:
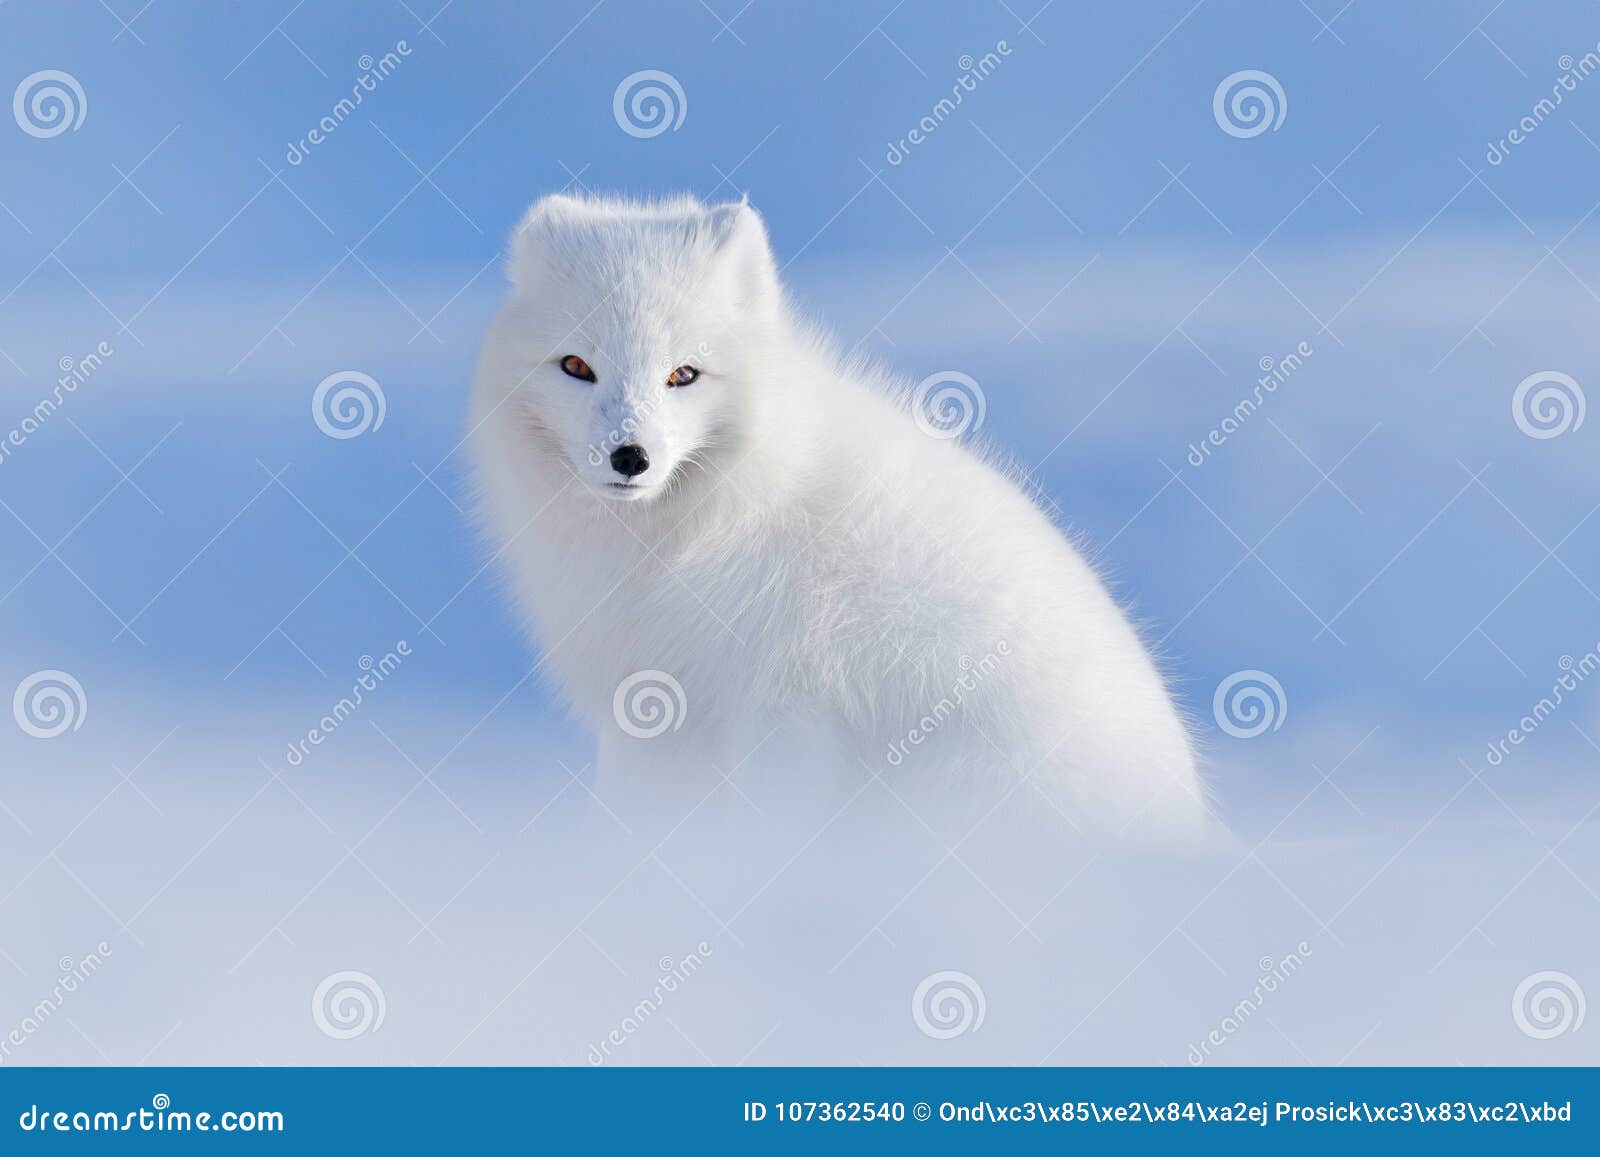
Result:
804,559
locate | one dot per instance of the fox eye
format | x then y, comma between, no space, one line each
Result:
682,376
575,367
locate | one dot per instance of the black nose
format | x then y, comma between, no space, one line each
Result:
630,460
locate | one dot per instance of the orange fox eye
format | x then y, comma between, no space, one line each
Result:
682,376
575,367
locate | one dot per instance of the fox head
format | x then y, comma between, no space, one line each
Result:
635,336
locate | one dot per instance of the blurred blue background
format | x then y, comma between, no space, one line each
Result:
1080,235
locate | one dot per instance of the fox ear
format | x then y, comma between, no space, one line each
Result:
533,232
740,239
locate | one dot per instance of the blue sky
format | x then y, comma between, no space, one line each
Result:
1080,234
512,95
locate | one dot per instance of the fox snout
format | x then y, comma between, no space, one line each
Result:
630,460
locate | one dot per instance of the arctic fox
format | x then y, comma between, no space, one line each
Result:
717,530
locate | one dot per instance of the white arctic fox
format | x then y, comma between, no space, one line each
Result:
723,538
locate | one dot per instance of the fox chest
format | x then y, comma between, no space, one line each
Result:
721,629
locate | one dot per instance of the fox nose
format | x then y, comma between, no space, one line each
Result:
630,460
